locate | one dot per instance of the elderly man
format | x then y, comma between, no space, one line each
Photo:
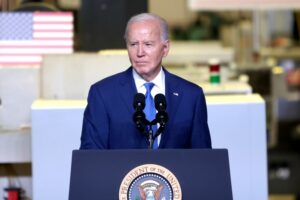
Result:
108,122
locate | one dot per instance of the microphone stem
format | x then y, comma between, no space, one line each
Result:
150,137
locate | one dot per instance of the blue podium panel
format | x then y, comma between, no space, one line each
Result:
150,174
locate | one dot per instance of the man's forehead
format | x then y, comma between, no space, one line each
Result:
142,25
144,32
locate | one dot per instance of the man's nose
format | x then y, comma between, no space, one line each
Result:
140,51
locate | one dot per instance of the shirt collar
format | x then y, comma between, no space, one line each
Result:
158,81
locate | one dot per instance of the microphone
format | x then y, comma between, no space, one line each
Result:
139,102
160,102
139,116
161,105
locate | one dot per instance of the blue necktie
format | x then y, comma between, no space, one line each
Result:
150,110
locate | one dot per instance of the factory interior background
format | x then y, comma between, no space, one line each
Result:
257,47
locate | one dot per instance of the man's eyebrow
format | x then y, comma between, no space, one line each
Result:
149,41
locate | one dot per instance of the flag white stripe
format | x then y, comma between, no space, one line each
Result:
35,50
53,27
52,19
52,35
20,59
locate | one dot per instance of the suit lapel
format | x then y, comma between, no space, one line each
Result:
127,89
173,98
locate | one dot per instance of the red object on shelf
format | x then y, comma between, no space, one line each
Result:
214,68
12,194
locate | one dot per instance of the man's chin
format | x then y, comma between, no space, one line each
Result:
141,69
142,73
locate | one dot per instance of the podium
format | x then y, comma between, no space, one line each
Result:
163,174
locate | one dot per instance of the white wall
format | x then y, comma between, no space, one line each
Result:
19,87
70,76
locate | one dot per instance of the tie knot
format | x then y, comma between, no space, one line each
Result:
149,86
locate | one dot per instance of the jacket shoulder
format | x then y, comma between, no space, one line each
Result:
112,80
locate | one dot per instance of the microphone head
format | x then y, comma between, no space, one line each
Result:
139,101
162,117
160,102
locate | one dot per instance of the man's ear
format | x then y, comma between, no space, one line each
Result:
166,47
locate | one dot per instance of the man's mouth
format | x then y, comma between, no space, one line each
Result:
141,62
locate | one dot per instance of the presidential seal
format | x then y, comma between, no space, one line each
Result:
150,182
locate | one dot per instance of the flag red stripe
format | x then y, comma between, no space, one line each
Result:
52,30
51,23
25,54
37,46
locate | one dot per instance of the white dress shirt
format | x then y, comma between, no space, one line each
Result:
159,87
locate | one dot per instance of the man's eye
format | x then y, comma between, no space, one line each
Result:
132,44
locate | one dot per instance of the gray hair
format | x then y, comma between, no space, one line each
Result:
164,29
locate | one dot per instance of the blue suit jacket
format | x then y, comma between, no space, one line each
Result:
108,122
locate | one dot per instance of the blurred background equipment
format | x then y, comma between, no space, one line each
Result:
35,5
102,22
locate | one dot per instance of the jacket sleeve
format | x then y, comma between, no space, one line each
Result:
95,126
200,130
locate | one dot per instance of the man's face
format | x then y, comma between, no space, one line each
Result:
145,48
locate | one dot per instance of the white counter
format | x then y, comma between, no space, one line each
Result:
238,123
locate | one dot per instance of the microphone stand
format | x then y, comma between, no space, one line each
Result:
159,131
142,123
150,137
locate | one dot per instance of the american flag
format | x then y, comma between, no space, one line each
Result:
26,36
